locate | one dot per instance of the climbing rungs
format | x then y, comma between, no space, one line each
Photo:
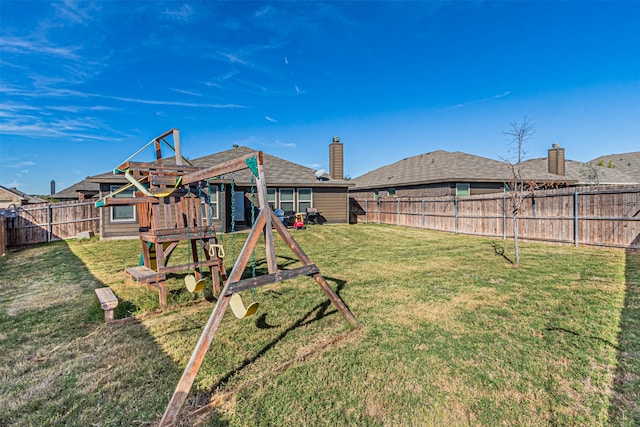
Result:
255,282
144,274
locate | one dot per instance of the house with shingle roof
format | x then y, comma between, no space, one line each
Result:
290,187
12,197
83,190
444,173
626,163
578,172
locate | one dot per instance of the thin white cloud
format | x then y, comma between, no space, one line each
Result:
279,144
23,46
263,11
270,119
476,101
19,164
185,92
72,11
173,103
183,13
233,58
80,108
218,80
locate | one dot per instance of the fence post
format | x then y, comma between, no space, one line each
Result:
504,217
575,218
455,212
366,212
398,210
3,236
49,222
379,211
422,214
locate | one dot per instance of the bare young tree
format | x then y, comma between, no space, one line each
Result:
519,188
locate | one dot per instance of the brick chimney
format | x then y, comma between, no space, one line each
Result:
336,159
556,160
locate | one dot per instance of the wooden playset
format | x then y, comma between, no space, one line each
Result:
171,197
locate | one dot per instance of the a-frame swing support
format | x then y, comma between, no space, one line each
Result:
264,223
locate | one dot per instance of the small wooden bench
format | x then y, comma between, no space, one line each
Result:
108,302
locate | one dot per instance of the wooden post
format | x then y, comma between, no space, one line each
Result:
366,212
49,223
191,370
263,199
176,143
576,220
504,217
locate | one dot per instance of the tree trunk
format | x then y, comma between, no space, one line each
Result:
515,240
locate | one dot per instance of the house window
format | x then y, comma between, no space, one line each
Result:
304,199
287,201
392,192
462,189
376,194
213,203
271,197
123,213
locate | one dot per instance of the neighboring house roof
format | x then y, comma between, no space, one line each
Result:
278,172
574,172
72,191
443,166
17,195
627,163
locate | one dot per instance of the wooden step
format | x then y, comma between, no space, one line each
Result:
144,274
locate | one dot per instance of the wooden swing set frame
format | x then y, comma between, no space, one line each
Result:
167,192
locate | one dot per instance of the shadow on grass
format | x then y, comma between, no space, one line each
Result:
60,364
624,409
313,315
499,250
574,333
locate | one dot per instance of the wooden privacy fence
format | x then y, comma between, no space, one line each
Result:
3,235
45,222
582,216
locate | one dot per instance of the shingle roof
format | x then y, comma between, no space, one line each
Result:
71,192
24,196
573,172
443,166
278,172
627,163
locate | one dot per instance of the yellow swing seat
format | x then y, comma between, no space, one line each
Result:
238,307
194,285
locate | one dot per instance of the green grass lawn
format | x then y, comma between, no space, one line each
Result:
450,333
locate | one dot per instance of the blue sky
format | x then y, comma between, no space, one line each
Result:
83,85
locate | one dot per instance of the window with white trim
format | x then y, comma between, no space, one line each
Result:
213,203
125,212
304,199
287,202
271,197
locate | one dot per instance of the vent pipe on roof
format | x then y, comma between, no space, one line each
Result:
336,159
556,160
